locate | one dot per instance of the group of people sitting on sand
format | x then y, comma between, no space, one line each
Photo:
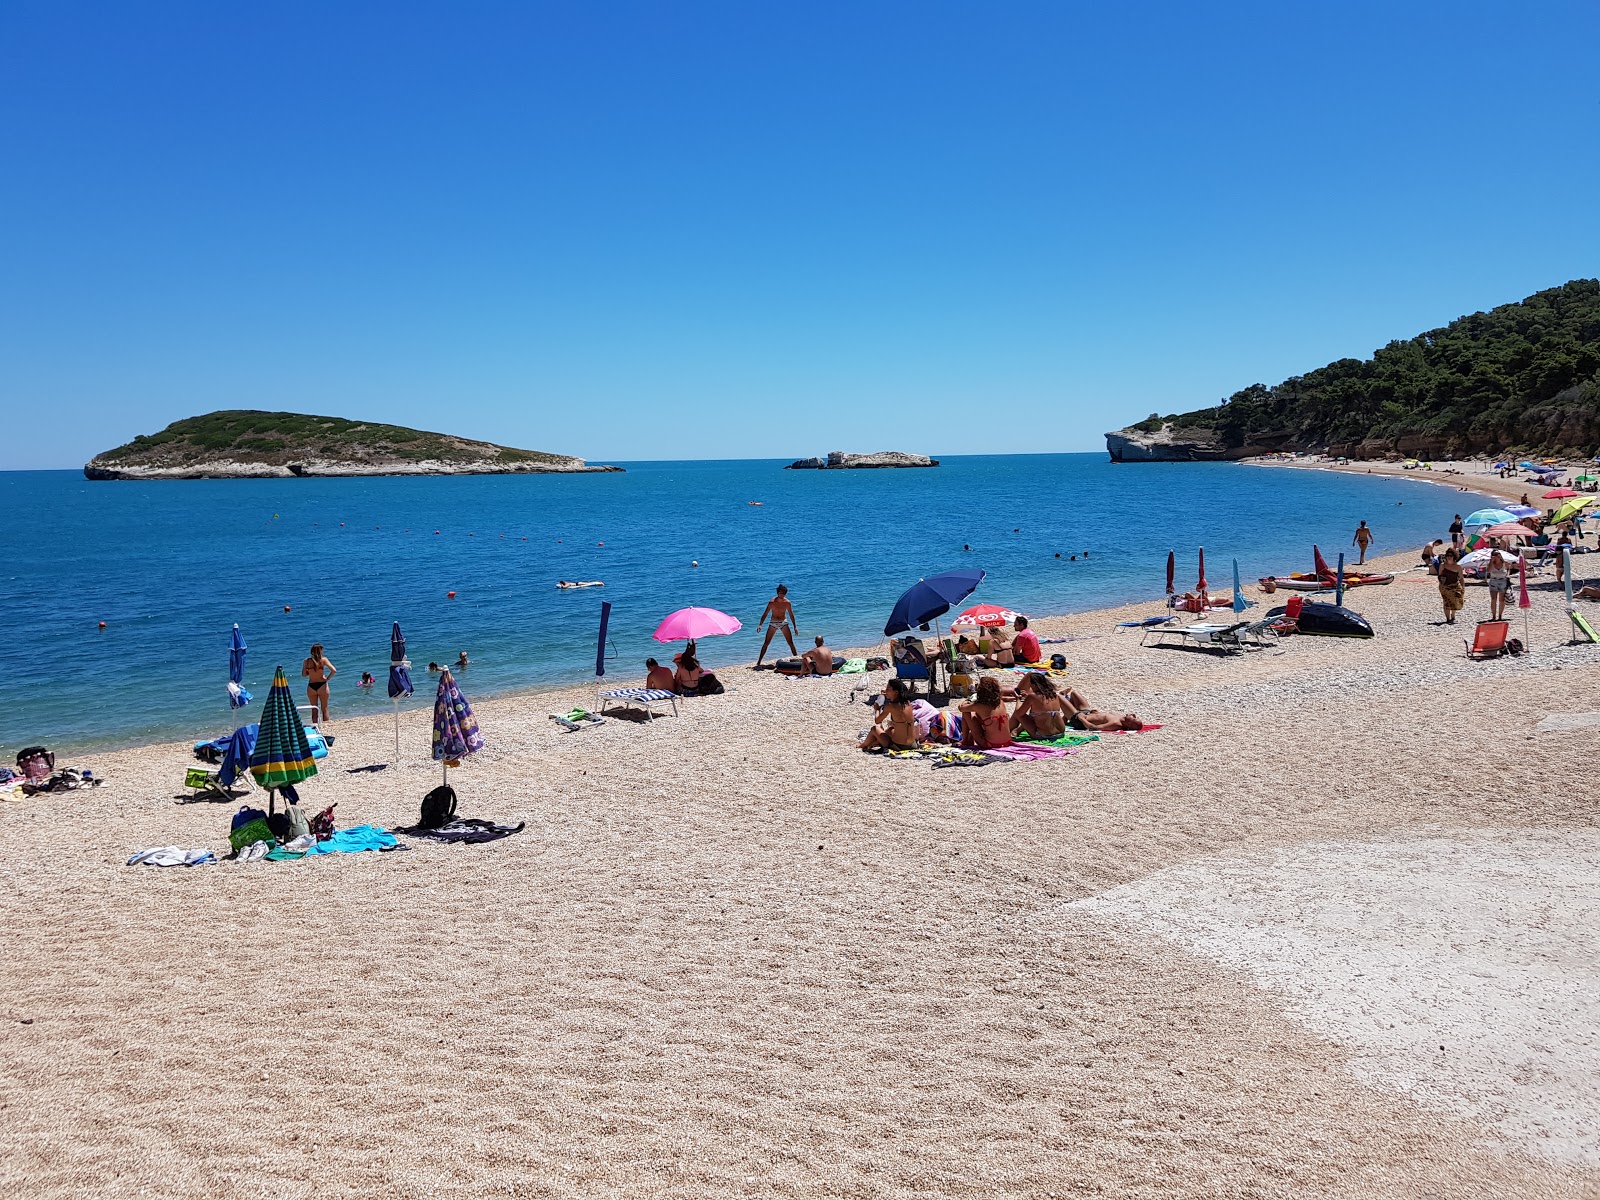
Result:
1004,650
1042,712
686,677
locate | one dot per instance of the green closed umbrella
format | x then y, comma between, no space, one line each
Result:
283,752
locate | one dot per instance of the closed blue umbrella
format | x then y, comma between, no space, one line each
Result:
600,650
237,696
399,679
931,597
1239,602
1338,586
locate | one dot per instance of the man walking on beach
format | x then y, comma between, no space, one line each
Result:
1455,532
783,618
1363,539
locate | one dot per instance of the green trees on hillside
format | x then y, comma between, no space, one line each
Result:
1521,376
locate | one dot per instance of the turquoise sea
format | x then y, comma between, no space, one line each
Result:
171,566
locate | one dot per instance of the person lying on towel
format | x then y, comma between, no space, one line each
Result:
1096,720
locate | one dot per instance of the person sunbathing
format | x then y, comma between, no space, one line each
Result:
1588,592
657,677
1040,711
895,727
1095,720
818,661
985,724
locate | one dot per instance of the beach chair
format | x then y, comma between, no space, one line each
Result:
640,697
204,785
911,663
1488,640
1227,639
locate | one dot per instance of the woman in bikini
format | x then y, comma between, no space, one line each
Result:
318,671
1040,712
686,679
985,724
895,727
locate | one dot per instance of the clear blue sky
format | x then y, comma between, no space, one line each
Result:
686,229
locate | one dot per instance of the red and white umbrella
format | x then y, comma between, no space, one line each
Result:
984,616
1506,529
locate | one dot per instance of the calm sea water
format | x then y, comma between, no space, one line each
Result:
171,566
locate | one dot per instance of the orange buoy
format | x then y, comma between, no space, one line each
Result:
452,595
286,608
102,624
599,543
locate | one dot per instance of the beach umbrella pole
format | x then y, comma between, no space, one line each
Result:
397,730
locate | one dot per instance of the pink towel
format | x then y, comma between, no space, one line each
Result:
1141,729
1028,753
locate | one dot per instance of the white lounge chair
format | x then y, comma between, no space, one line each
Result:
1208,635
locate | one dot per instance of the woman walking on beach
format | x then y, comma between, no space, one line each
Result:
318,671
1499,585
1452,587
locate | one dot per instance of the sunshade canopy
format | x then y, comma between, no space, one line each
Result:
1489,516
931,597
987,616
691,624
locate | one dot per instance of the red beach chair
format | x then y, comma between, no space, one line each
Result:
1489,641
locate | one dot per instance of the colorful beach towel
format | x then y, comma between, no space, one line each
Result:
355,839
1065,741
1017,752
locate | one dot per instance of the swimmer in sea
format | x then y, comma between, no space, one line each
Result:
783,620
461,660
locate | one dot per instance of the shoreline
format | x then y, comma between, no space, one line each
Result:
1467,475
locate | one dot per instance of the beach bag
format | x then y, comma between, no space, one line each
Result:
36,762
322,824
299,825
1515,646
248,825
438,807
877,663
710,685
1058,662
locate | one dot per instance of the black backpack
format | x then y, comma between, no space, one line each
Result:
438,807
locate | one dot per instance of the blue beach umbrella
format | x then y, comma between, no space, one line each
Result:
1489,516
600,650
399,679
931,597
1239,602
1338,585
237,696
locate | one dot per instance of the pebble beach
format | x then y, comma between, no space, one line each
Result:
1328,932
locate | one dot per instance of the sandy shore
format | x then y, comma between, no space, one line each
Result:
1465,475
1329,933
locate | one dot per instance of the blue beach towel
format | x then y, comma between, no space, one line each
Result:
355,839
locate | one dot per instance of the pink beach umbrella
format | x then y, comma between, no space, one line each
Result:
1201,586
691,624
1524,602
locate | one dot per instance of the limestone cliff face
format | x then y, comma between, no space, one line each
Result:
840,461
1167,444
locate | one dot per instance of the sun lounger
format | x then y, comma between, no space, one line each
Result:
1208,636
645,698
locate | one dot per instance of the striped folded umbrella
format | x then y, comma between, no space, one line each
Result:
283,753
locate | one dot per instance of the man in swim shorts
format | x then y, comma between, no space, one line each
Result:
820,660
781,613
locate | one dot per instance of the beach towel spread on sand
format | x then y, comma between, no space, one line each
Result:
1018,752
1065,741
355,839
172,856
468,830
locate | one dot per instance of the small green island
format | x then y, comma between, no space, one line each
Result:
251,444
1520,379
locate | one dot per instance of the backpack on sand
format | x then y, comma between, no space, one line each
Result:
438,807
